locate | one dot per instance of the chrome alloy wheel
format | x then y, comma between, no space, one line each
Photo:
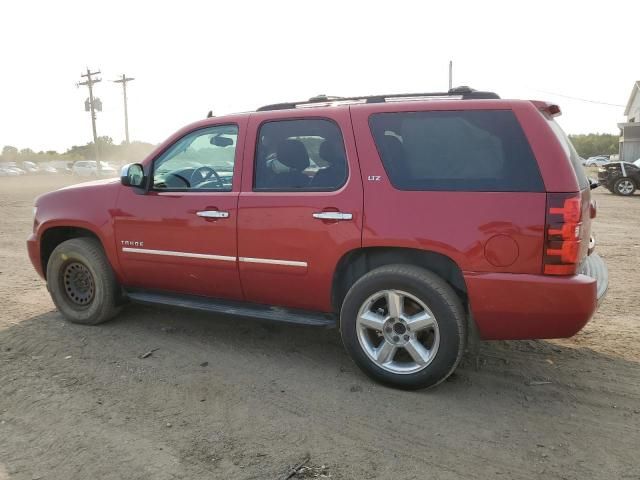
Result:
398,332
625,187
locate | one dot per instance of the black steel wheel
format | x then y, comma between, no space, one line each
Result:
82,283
78,283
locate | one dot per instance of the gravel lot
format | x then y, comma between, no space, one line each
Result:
233,398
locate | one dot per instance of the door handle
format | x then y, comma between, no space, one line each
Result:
212,214
333,216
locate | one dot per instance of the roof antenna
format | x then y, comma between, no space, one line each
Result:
210,114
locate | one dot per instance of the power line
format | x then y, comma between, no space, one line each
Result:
578,98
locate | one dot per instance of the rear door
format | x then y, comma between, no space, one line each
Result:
300,209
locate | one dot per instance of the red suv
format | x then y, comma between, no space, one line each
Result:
405,220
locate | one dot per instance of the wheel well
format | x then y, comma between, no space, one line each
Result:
54,236
357,263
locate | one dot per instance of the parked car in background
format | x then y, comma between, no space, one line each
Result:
596,161
11,171
89,168
49,169
62,166
85,168
17,170
620,178
30,167
8,172
366,229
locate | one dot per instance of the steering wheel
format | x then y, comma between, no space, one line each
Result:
205,174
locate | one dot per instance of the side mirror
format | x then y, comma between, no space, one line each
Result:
132,175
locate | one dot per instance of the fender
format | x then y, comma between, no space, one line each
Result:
78,206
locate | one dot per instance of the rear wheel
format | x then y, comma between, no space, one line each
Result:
82,283
403,326
624,187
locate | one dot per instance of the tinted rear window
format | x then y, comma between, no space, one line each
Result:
583,181
476,150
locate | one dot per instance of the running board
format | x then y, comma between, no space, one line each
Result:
228,307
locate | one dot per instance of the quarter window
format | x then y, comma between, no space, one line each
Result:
300,155
473,150
201,160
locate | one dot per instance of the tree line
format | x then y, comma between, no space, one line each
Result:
109,151
592,144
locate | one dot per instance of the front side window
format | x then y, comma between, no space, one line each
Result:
473,150
201,160
300,155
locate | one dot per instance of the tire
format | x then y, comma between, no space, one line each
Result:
422,292
624,186
82,283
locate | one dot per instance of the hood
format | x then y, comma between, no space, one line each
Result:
90,184
85,190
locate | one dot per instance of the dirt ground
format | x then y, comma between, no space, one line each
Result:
236,399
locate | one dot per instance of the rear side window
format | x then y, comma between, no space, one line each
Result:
569,149
300,155
476,150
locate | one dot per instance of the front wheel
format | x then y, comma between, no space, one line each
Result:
624,187
403,326
82,283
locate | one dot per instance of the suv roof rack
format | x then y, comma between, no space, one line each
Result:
462,93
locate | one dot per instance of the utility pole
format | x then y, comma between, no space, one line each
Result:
124,81
90,82
450,74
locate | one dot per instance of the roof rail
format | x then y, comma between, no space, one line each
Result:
463,93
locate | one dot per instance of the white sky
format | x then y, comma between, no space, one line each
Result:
191,56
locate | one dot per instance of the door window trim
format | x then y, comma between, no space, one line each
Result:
301,190
199,190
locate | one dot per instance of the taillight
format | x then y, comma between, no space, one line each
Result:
562,235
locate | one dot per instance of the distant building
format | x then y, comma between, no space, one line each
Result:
630,130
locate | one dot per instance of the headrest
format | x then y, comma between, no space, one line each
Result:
330,154
293,154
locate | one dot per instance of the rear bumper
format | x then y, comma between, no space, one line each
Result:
520,306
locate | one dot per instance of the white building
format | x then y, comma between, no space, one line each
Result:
630,130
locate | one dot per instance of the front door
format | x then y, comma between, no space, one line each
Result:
300,209
181,235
